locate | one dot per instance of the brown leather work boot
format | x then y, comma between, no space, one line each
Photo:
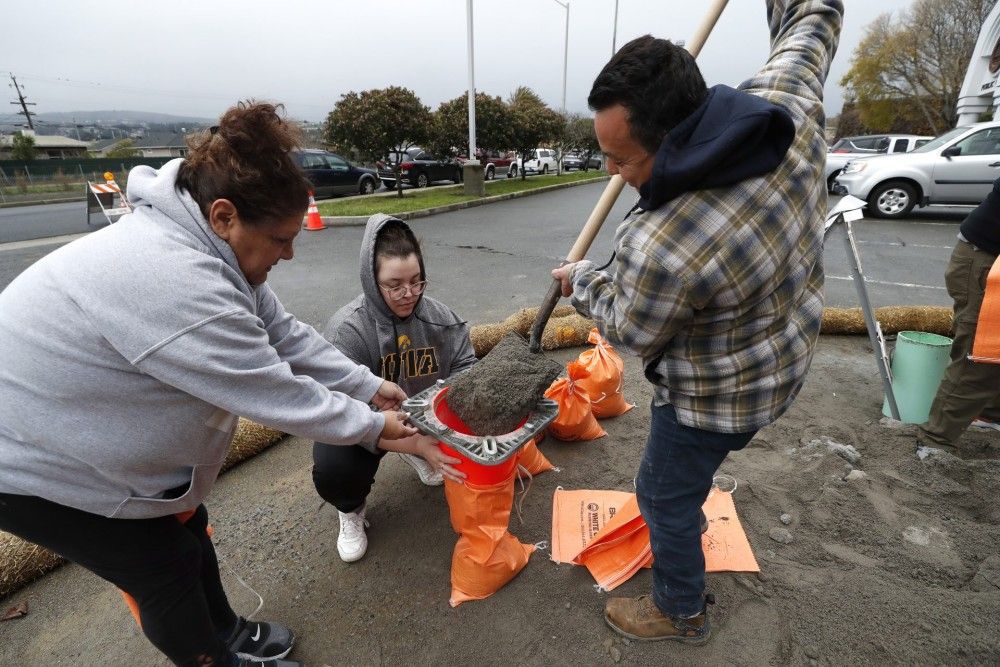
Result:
639,618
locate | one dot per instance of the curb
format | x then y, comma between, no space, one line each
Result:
40,202
362,220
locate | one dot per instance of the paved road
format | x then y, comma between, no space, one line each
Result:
488,261
31,222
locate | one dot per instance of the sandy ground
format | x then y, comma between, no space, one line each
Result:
900,565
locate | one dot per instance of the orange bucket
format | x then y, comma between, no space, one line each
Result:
476,473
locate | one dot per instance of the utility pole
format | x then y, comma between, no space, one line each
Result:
564,5
24,103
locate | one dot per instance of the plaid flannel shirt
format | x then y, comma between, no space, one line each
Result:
720,291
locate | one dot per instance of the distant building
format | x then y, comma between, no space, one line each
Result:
980,89
48,147
151,144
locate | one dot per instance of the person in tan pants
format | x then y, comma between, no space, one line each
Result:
968,390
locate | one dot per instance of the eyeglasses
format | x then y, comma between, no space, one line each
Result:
399,293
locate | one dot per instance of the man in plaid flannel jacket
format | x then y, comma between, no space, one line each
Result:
718,276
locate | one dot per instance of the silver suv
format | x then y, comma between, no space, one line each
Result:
848,148
958,167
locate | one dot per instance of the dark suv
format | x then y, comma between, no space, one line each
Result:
332,175
418,168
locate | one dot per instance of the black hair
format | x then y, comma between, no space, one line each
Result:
656,81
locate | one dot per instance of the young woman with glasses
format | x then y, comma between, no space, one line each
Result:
402,335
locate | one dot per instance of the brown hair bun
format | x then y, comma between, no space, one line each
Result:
247,159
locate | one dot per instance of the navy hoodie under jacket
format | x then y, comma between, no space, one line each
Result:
732,136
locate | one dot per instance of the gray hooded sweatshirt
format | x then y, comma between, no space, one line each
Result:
431,343
126,355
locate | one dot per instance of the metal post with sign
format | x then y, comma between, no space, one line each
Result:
847,210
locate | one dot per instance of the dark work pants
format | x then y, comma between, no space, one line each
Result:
169,568
344,475
968,389
674,479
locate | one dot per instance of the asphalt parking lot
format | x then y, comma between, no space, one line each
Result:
488,261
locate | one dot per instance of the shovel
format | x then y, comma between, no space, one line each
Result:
608,198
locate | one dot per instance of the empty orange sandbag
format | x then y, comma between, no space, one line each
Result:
986,344
615,537
532,459
619,550
575,420
607,373
486,555
578,515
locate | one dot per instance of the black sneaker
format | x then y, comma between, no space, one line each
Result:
244,662
258,642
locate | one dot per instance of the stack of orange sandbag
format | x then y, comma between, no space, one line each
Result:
606,379
575,420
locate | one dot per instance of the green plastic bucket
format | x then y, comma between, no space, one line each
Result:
918,364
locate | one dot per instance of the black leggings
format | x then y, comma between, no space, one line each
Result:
344,475
169,568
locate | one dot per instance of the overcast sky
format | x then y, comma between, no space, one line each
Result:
197,58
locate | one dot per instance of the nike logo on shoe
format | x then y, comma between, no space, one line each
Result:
256,635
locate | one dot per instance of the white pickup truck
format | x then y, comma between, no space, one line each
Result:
542,162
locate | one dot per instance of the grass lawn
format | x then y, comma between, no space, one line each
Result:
416,200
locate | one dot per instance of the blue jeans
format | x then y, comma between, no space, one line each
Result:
673,482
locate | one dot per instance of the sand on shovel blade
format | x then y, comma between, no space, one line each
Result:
496,394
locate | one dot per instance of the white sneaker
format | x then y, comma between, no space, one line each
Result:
985,423
352,543
428,475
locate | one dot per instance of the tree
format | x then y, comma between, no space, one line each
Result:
379,122
23,147
451,125
913,67
124,148
581,137
532,123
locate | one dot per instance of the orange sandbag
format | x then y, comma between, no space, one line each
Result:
486,555
607,373
575,420
532,459
986,344
577,516
620,547
619,550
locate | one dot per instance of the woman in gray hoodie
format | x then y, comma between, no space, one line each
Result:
125,358
402,335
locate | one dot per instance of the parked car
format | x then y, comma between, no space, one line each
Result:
332,175
571,161
958,167
418,168
848,148
493,162
543,161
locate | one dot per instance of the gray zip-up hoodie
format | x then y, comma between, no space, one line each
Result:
125,356
431,343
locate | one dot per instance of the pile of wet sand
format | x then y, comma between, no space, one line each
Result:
496,394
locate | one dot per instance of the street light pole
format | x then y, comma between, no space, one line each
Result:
472,84
472,170
614,32
564,5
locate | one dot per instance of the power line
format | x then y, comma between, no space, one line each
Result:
22,100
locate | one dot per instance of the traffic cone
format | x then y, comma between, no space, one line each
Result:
313,221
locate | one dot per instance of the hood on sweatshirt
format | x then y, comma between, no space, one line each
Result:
369,281
157,189
732,136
